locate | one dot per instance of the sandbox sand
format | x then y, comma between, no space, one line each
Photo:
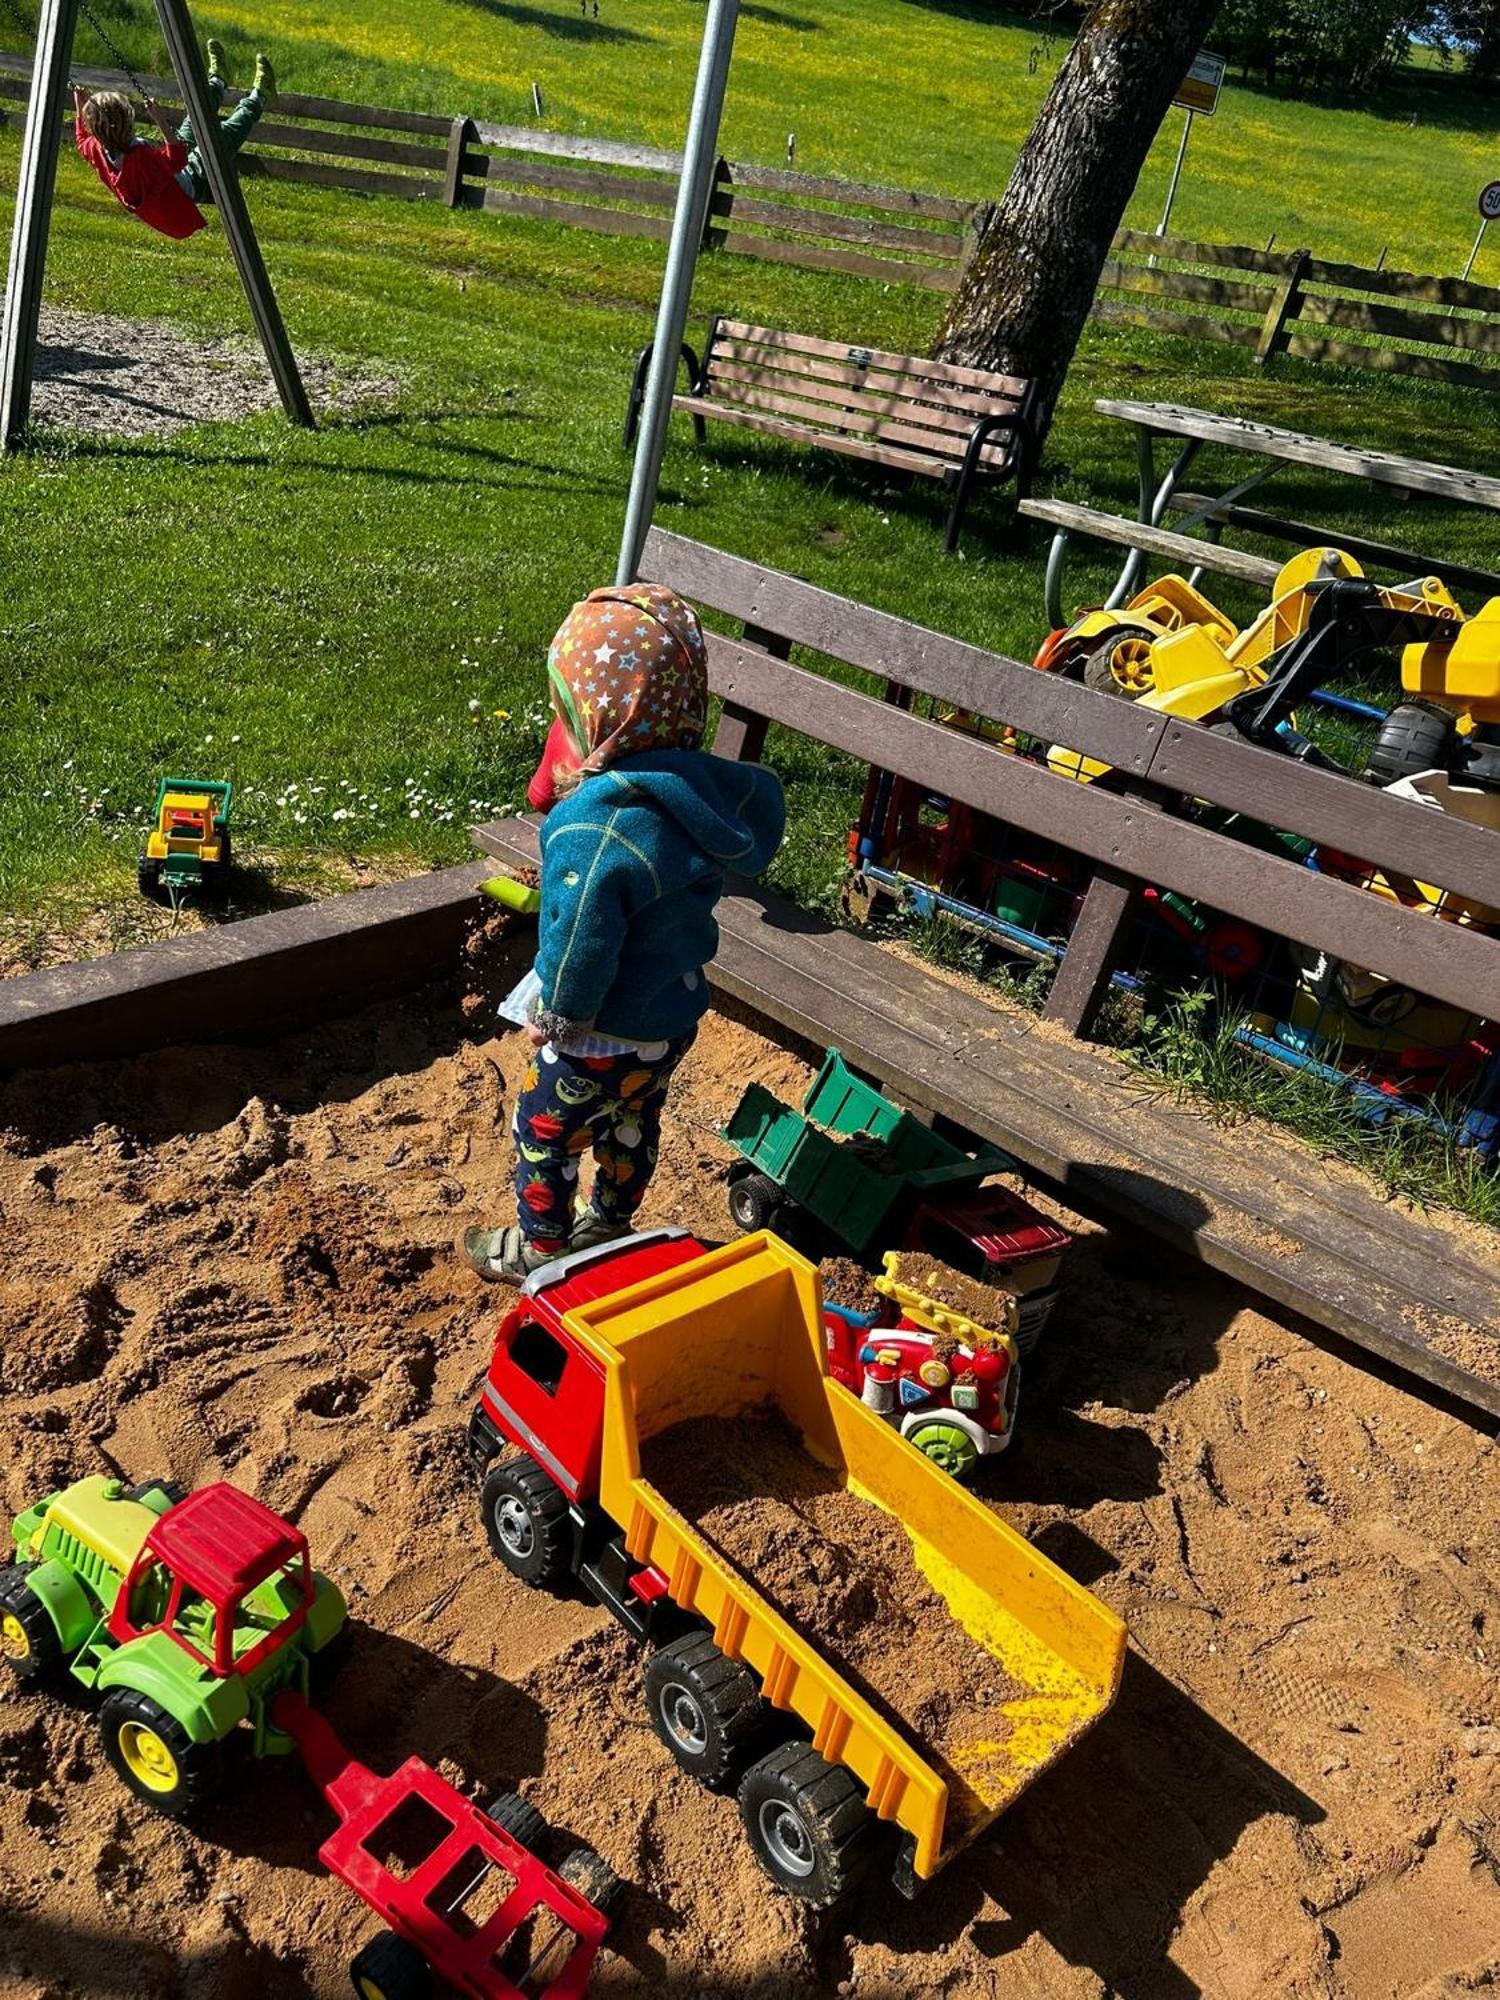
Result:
230,1263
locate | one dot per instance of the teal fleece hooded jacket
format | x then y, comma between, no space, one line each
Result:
633,863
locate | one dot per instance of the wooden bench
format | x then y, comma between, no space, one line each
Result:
1391,1281
925,418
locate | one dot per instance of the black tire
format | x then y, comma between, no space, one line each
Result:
1097,667
28,1637
1413,738
808,1824
707,1709
216,873
148,878
196,1768
173,1489
519,1818
388,1968
591,1875
526,1520
754,1200
325,1665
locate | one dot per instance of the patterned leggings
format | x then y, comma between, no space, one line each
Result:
570,1105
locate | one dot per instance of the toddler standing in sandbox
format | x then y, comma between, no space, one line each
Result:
634,855
163,184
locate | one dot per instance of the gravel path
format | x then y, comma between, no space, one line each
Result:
110,377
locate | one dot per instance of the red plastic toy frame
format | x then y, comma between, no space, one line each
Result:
223,1662
365,1802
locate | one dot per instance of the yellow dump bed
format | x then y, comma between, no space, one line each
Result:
740,1329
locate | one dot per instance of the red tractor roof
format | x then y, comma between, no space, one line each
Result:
223,1542
599,1274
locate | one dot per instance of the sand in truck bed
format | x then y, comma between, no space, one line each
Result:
843,1573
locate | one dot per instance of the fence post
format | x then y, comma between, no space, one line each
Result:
461,135
976,223
723,177
1286,302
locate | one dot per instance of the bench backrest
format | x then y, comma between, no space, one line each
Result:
1124,832
897,399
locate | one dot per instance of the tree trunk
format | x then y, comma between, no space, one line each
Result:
1026,291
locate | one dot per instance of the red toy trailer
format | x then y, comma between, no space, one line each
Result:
455,1884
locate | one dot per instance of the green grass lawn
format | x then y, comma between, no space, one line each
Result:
930,96
352,625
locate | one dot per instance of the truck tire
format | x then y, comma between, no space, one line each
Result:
1119,663
388,1968
154,1756
526,1520
808,1823
707,1709
1413,738
216,873
519,1818
948,1445
148,878
590,1874
28,1637
753,1202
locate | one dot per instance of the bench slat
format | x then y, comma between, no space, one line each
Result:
1008,387
967,405
1406,562
926,463
830,424
1156,541
946,430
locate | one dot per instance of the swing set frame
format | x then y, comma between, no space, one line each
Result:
38,178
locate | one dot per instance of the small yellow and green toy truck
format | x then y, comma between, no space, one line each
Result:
189,846
188,1613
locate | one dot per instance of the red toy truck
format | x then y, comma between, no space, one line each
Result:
608,1349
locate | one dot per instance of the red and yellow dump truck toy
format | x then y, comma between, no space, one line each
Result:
606,1350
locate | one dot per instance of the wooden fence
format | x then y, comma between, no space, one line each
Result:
1271,303
1294,303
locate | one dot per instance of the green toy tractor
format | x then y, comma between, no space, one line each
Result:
188,1613
189,847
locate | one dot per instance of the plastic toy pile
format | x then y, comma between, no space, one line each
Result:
1171,649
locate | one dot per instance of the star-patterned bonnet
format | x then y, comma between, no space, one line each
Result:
629,672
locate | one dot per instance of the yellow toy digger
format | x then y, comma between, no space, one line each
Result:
1323,615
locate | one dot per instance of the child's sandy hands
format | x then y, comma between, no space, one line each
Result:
535,1035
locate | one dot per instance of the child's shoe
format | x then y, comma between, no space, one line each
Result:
592,1230
503,1256
217,70
264,85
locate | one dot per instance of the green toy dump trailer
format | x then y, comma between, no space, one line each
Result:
869,1178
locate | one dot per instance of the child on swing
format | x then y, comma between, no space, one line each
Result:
642,825
164,184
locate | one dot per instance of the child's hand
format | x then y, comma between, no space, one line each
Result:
535,1036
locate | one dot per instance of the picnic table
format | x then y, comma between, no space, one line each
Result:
1210,514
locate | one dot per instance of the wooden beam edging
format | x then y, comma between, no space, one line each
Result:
1319,805
248,980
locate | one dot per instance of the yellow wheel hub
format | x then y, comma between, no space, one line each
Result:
147,1757
1130,663
13,1639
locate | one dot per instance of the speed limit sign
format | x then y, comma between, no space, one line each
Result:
1489,202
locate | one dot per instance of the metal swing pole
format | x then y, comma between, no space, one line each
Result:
28,243
699,159
187,66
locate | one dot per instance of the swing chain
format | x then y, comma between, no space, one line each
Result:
28,31
114,49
